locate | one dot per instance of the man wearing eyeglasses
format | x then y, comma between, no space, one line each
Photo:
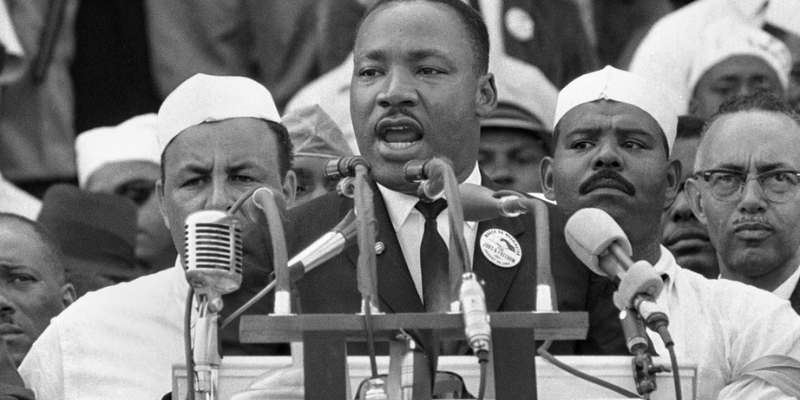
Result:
746,192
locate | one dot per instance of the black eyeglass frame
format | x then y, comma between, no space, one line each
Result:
744,178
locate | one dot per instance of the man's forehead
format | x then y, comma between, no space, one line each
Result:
394,19
760,137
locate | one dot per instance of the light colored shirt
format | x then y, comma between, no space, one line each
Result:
786,288
116,343
722,326
409,225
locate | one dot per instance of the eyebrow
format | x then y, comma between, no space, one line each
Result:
759,168
415,56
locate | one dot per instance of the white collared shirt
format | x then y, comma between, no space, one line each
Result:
409,225
723,325
786,288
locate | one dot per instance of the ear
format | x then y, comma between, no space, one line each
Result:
696,199
160,192
546,171
290,187
486,97
68,295
673,182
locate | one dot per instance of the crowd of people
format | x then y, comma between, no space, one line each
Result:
690,142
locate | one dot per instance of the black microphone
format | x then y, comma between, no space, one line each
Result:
326,247
601,244
343,167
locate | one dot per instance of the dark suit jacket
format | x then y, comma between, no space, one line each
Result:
795,299
332,287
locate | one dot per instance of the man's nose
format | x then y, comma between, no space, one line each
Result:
607,156
220,197
398,90
7,308
752,199
681,211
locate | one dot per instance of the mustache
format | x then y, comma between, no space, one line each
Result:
601,178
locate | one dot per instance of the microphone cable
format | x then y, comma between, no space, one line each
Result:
542,351
187,344
661,328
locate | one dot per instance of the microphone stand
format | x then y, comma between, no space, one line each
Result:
265,199
356,185
206,348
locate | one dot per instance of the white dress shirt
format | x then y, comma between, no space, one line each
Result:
786,288
116,343
409,225
722,326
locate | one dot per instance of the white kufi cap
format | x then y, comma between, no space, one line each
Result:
132,140
205,98
622,86
727,37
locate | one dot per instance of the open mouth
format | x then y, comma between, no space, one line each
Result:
399,133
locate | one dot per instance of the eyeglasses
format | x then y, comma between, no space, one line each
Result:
778,186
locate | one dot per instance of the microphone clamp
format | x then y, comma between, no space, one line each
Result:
344,167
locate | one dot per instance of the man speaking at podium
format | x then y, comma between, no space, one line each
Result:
420,87
613,133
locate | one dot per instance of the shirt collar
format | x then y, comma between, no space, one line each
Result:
400,205
666,265
786,288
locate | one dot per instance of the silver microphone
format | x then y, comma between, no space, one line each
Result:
213,252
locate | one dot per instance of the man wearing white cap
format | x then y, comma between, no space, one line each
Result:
614,132
124,160
736,59
667,52
218,137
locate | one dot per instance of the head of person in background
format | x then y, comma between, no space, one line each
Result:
736,60
420,87
316,140
746,191
613,136
792,41
96,233
32,283
124,160
681,232
513,144
219,137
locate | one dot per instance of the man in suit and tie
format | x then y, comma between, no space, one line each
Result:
420,87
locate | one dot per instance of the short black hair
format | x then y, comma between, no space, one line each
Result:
759,101
285,153
473,24
690,127
55,256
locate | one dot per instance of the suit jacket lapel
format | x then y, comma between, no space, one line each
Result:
396,289
795,299
501,278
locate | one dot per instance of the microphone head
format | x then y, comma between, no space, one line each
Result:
589,232
213,252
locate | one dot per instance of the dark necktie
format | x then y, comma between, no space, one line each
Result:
433,259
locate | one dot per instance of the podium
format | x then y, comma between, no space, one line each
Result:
238,373
518,374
